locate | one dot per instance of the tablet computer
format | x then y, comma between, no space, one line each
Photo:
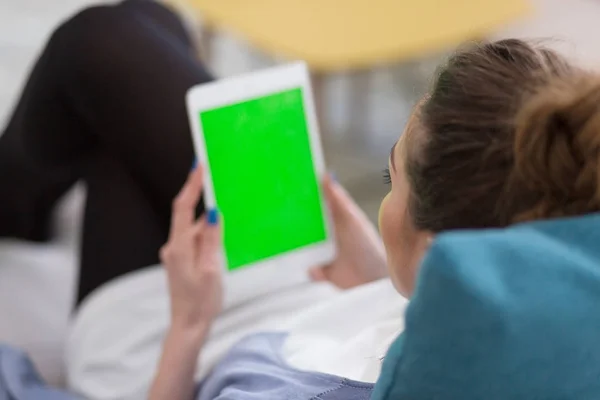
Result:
258,138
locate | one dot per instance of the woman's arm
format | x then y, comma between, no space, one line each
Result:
193,261
175,376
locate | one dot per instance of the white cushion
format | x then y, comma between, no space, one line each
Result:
37,288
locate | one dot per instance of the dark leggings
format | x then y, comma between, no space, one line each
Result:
105,103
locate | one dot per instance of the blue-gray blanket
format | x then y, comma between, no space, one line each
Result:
19,379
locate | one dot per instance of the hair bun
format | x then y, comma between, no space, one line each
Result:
557,147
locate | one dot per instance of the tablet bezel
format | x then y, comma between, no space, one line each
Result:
291,267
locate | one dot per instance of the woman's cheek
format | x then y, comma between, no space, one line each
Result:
389,226
382,220
396,240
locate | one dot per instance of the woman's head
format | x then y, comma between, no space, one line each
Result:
510,132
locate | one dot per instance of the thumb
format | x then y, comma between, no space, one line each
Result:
210,238
332,195
338,198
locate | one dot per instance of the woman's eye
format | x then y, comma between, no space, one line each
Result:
387,178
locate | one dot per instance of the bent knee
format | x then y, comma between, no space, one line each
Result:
101,18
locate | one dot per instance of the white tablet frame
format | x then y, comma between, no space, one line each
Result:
288,268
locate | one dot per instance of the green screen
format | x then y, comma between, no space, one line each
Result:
264,178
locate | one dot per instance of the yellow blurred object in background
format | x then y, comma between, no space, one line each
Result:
333,35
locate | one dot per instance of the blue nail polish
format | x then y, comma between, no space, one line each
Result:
212,217
333,176
194,164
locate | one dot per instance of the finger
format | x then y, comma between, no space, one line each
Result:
329,196
338,198
183,214
210,239
318,274
177,250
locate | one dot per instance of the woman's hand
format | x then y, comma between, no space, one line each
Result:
193,258
361,255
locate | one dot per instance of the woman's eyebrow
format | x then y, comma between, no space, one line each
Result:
392,157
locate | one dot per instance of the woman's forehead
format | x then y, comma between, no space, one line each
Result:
408,132
408,137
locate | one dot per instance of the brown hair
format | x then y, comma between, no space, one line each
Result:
510,132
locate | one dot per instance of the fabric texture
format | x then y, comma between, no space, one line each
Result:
19,379
253,369
503,314
116,337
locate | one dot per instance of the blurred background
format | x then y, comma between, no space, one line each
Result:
371,61
365,101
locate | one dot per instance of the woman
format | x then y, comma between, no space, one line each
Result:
474,155
509,133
